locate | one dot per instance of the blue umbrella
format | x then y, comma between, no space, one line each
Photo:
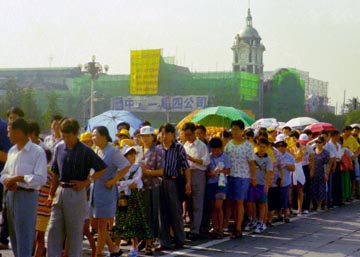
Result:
110,119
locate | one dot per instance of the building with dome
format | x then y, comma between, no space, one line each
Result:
248,50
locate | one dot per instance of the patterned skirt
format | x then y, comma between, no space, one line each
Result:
131,222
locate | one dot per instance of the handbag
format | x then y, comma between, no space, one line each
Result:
123,201
346,163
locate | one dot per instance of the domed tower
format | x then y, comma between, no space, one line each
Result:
248,50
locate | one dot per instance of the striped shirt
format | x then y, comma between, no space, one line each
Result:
44,191
175,160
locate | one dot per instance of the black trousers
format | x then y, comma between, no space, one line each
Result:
170,213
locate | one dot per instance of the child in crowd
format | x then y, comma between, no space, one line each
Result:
217,185
258,194
288,166
43,211
130,217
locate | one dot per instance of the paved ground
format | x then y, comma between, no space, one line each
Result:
330,234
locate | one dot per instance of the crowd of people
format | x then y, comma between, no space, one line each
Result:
144,188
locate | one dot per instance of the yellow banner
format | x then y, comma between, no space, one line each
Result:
144,71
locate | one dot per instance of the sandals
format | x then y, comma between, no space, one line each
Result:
236,234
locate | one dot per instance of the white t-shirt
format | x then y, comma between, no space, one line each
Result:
240,155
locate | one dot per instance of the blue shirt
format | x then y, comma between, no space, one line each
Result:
75,163
287,159
263,165
214,161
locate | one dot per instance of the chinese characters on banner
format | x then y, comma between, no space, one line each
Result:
159,103
144,71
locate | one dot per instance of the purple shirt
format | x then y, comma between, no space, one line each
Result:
214,161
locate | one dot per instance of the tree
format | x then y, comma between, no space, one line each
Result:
353,117
14,96
52,109
352,104
29,104
337,120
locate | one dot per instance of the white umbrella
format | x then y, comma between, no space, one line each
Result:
300,122
355,125
110,119
265,123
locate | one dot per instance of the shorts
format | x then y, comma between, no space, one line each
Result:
238,188
274,198
285,197
214,192
257,194
42,222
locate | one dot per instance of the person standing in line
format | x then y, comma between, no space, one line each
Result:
12,114
24,173
104,198
171,191
52,140
242,173
198,158
71,166
152,165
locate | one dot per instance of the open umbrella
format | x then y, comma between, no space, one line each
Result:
300,122
355,125
187,118
221,116
110,119
318,127
265,123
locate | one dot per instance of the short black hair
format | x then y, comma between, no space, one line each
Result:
123,123
215,142
57,117
34,127
15,110
287,128
225,134
103,131
145,123
70,125
262,140
295,134
238,123
201,127
188,125
307,132
169,128
334,133
20,124
249,133
347,128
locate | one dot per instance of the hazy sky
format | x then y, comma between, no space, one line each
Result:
320,36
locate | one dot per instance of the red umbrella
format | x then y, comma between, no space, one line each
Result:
318,127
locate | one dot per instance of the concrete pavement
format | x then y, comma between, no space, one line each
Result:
330,234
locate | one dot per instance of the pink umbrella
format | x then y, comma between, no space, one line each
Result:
318,127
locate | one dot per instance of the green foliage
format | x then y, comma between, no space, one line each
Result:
353,117
352,104
29,104
52,109
14,96
337,120
286,98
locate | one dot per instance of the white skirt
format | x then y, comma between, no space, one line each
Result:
298,175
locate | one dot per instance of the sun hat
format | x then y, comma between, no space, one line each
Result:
86,136
126,149
126,141
147,130
303,139
123,132
280,139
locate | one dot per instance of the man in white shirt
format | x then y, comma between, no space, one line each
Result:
198,158
24,173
